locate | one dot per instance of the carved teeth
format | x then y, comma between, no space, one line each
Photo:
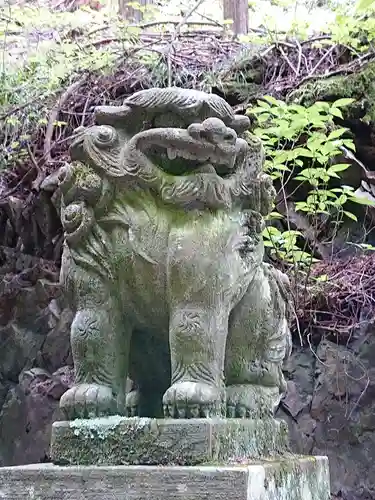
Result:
232,163
172,153
188,155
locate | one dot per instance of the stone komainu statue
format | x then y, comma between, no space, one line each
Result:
163,210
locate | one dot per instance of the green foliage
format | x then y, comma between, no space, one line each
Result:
364,4
42,67
353,28
302,147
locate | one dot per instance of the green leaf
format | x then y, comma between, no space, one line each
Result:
341,103
322,105
339,167
335,134
301,152
292,232
330,173
263,117
257,110
366,246
297,108
273,101
282,156
349,144
342,199
308,173
268,243
336,112
280,166
364,4
272,231
260,132
263,104
302,257
276,175
350,215
362,201
274,215
327,193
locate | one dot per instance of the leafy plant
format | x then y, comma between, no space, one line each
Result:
302,144
364,4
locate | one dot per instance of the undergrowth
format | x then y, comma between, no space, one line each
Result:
303,147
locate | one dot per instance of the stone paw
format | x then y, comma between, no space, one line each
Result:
88,401
132,403
192,400
251,401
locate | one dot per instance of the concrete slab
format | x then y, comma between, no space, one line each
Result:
298,478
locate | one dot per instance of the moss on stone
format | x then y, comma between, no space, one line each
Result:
359,86
81,170
298,477
144,441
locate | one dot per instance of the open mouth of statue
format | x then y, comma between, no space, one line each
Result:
185,162
203,148
208,147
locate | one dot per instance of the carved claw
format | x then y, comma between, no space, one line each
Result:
192,400
231,411
251,401
132,403
88,401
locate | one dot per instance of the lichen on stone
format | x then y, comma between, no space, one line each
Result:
101,428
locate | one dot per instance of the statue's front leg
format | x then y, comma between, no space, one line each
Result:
197,337
92,394
199,291
98,347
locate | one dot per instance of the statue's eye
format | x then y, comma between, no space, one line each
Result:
105,135
229,137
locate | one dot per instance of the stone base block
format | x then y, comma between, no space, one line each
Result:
146,441
304,478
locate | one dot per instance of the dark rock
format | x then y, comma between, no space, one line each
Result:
34,339
19,347
292,403
27,415
295,406
343,406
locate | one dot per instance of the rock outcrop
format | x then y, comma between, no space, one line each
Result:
330,409
34,361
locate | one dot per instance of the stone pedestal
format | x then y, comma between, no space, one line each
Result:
147,441
291,479
120,458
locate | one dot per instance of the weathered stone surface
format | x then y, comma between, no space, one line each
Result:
293,479
145,441
162,208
